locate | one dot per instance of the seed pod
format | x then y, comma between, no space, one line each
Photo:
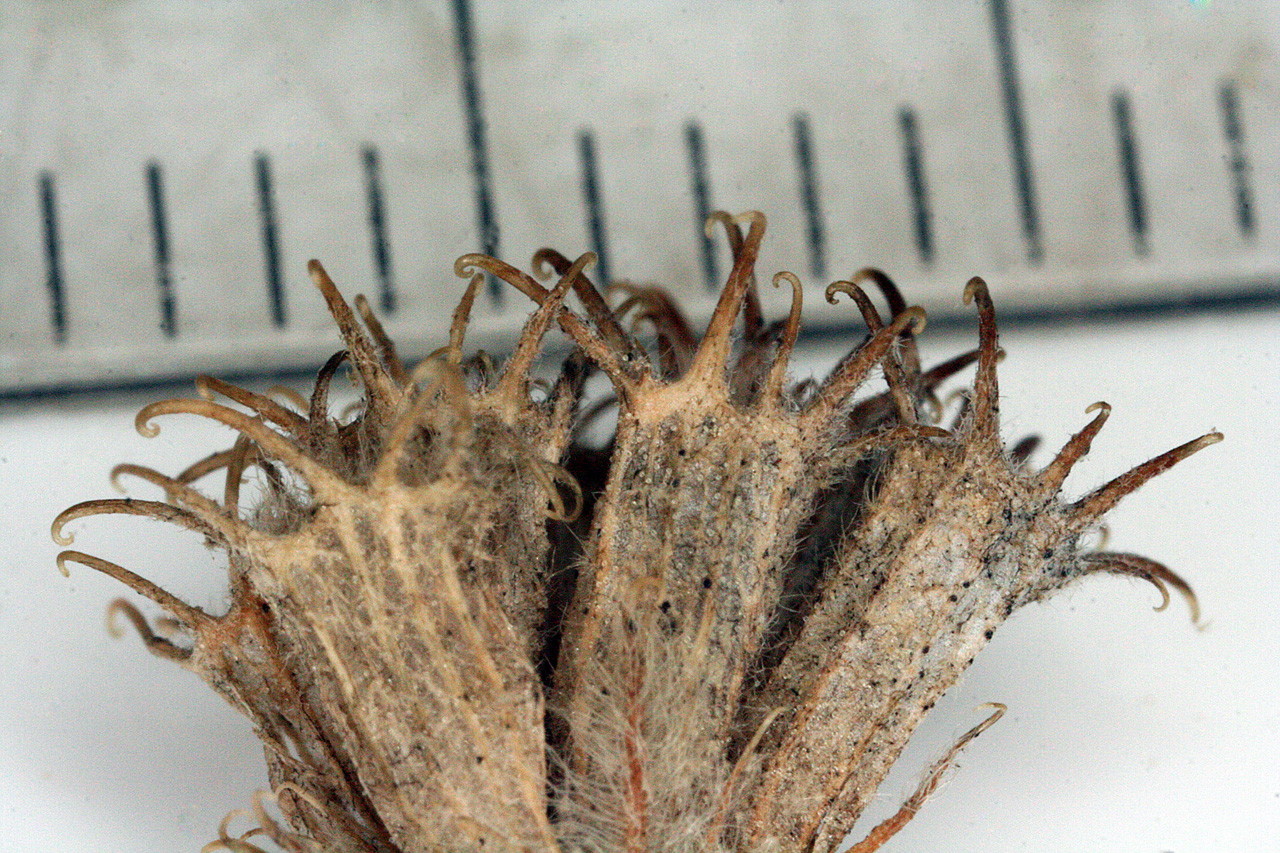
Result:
457,629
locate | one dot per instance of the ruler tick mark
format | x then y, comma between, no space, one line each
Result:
378,229
697,152
1238,161
270,239
160,239
814,225
53,258
1130,170
913,166
1015,123
594,204
473,107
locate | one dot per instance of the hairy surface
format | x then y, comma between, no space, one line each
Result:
457,629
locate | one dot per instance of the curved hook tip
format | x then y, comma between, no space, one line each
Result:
848,288
918,319
60,538
974,289
471,262
142,423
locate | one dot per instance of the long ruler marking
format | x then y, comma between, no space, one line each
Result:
160,242
809,202
696,148
1130,171
917,188
378,229
270,239
1132,184
1015,123
594,205
53,258
1238,161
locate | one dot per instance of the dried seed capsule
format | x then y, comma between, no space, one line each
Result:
736,613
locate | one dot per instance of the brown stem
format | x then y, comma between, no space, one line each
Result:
363,355
1148,570
189,615
270,410
986,389
598,310
711,359
215,526
773,390
889,827
273,443
1093,505
386,346
849,376
1074,450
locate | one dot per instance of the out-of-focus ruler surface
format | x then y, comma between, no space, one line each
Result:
168,168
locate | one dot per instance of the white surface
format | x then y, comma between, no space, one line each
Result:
1127,730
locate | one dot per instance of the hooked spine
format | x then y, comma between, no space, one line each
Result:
456,628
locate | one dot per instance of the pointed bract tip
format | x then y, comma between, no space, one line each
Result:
1197,444
1093,505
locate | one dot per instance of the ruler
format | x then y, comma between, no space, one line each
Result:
168,168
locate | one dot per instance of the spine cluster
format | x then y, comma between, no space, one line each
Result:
456,627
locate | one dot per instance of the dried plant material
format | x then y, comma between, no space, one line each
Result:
456,628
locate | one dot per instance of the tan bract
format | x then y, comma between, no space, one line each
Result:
456,628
